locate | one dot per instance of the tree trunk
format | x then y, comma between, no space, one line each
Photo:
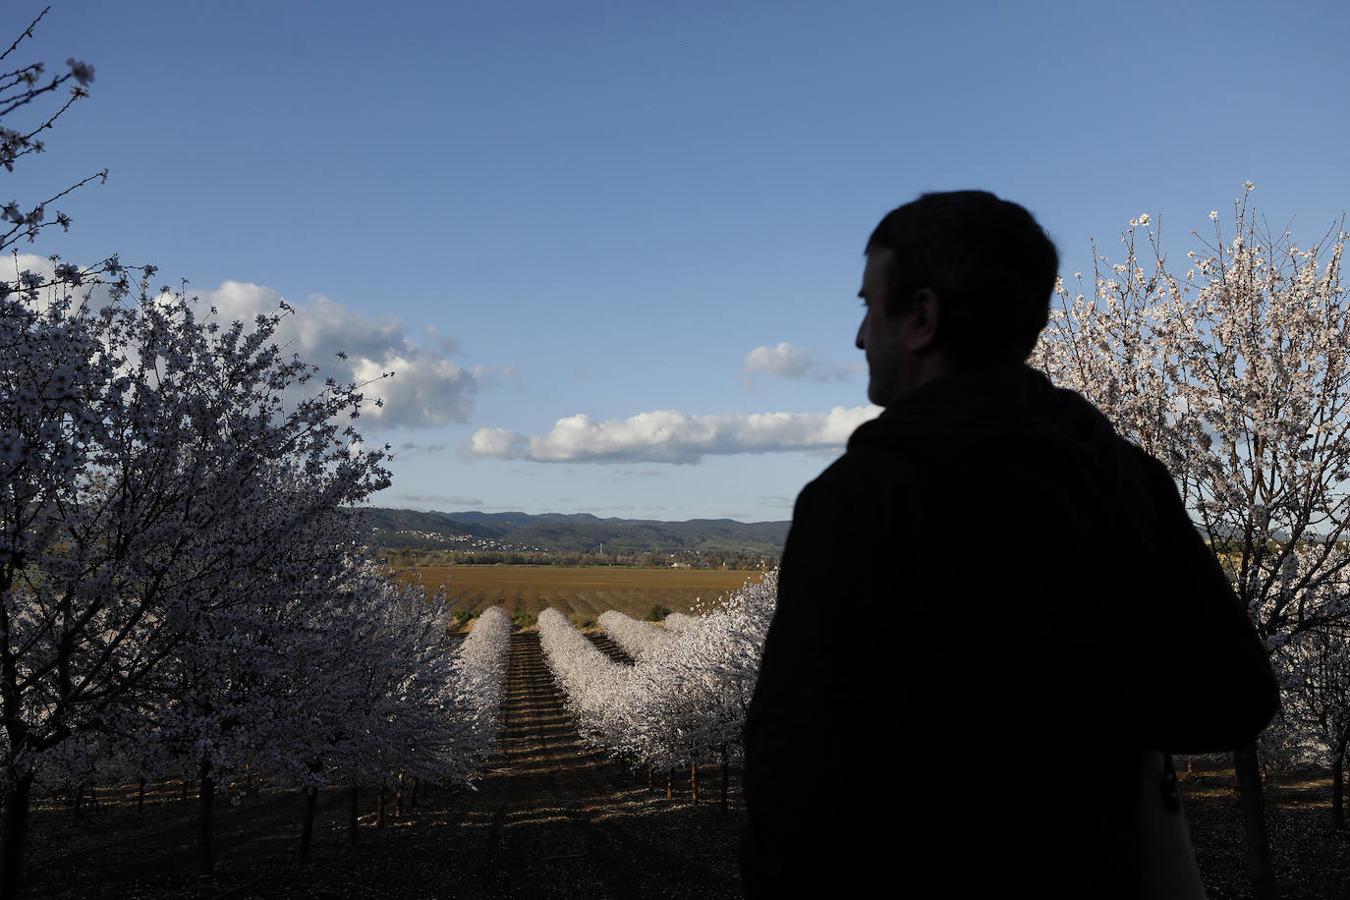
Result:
1247,767
1338,784
693,781
353,816
670,785
398,797
379,811
412,801
206,839
649,776
140,796
724,778
307,830
1338,792
15,836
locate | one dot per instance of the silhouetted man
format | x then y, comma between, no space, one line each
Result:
988,608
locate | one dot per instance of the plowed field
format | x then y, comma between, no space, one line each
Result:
580,592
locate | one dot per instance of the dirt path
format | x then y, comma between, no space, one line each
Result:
565,822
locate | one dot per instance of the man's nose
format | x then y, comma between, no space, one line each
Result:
858,341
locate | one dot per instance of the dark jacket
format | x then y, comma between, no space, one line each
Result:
987,608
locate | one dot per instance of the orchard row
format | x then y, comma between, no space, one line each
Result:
683,700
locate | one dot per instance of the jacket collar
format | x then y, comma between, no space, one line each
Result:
983,392
983,400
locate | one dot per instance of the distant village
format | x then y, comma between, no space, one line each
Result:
410,537
473,550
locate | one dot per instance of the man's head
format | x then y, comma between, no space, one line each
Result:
953,280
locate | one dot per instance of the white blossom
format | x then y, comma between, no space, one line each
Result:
1237,376
684,699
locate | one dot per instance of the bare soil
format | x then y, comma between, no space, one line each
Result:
553,819
550,819
1312,859
583,592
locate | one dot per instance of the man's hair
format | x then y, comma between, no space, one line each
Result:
989,262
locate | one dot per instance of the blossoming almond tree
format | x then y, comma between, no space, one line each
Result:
381,690
1236,374
676,621
251,683
174,566
637,639
479,682
588,678
22,91
150,491
1317,703
684,701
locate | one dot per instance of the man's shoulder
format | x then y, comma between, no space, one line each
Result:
858,480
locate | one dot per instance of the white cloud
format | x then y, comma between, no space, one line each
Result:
448,344
788,361
498,442
673,437
29,262
784,360
427,389
497,376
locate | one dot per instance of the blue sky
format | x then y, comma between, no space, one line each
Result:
538,211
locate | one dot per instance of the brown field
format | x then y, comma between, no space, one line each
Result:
580,592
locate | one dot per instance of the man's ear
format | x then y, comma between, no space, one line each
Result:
922,320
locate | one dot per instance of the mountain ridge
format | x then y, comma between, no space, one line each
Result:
567,532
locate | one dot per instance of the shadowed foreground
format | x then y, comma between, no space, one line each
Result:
550,819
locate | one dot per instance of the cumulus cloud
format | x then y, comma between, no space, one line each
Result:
447,343
501,443
788,361
497,376
673,437
427,388
26,262
784,360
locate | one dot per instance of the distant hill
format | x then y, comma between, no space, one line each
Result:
571,533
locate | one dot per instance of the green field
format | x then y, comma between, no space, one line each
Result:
583,593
